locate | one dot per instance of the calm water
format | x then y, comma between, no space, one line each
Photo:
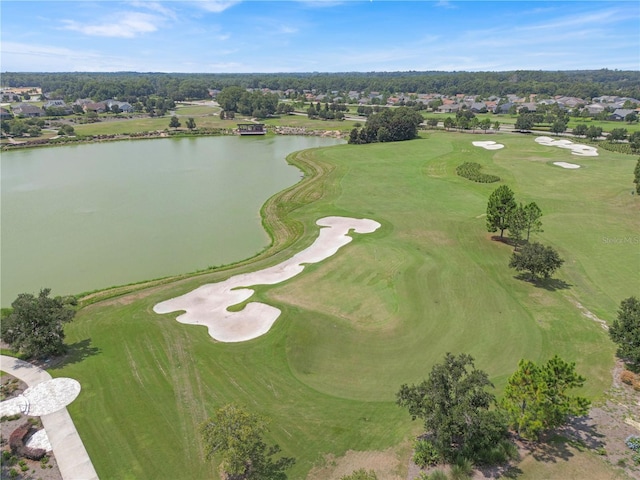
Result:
85,217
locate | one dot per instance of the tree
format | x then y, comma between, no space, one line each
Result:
618,134
532,214
536,398
174,123
66,130
559,125
631,117
235,435
625,330
501,204
449,123
190,123
593,132
537,259
580,130
517,223
115,109
524,122
229,97
636,176
634,141
35,326
455,408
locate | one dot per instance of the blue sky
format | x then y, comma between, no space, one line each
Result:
325,36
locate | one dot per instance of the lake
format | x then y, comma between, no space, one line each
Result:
85,217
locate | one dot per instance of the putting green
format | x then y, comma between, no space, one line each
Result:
382,312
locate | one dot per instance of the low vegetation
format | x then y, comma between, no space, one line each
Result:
471,171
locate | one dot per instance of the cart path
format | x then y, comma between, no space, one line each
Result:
72,458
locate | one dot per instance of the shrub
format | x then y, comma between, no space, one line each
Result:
436,475
617,147
471,171
425,453
633,442
627,377
462,469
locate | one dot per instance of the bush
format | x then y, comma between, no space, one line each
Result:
627,377
462,469
617,147
471,171
425,453
633,442
499,454
435,475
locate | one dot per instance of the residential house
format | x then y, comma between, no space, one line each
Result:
450,108
5,114
504,107
621,113
530,106
25,110
595,108
98,107
478,107
54,103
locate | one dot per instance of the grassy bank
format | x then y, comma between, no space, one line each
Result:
379,313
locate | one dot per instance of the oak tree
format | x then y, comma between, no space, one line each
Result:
235,436
455,408
537,259
36,325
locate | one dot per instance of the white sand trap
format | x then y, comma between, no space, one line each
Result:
566,165
39,440
488,145
42,399
207,305
576,148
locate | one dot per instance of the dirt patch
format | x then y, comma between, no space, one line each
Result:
387,464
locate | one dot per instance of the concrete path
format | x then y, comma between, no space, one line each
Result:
72,458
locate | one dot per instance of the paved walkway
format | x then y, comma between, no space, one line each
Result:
71,456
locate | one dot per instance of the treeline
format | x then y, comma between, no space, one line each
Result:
100,86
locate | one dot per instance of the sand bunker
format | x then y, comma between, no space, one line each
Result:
488,145
576,148
566,165
207,305
43,398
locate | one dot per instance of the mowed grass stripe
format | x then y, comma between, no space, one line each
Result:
379,313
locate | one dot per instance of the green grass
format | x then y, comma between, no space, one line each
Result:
379,313
306,122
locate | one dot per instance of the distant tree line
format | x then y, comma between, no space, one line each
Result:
179,87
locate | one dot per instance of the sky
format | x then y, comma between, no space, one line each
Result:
239,36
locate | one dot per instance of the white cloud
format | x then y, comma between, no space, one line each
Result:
121,25
21,57
445,4
154,6
216,6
